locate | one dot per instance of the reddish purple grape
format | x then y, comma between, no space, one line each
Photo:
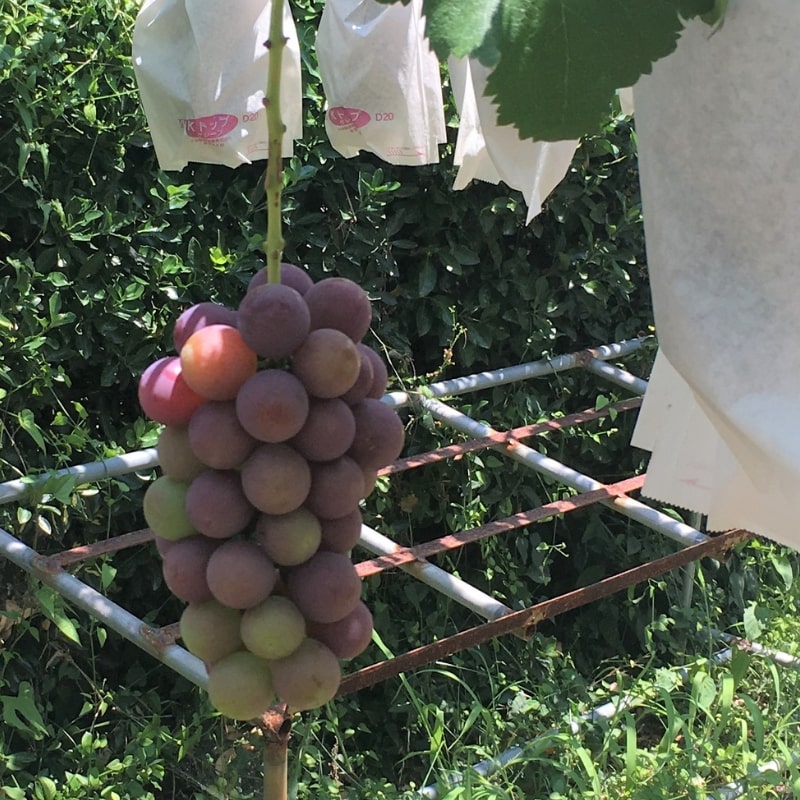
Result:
165,396
326,588
240,575
341,304
216,504
276,479
366,375
272,406
327,363
341,535
379,434
328,432
347,637
291,275
380,377
184,568
273,320
217,437
336,487
200,316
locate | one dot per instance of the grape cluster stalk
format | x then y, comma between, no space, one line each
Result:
273,434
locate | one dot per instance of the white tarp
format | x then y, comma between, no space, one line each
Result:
718,129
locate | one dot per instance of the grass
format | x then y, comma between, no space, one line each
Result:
723,724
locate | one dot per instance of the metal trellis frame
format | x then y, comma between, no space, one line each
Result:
162,642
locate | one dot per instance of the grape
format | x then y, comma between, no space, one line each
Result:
272,406
216,504
216,362
184,568
163,545
273,628
341,535
348,637
328,431
341,304
200,316
366,376
210,630
164,508
308,678
370,481
175,456
240,686
336,487
289,539
326,588
291,275
239,574
379,434
276,479
164,394
273,320
380,377
216,436
327,363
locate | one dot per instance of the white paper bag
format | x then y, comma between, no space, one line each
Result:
490,152
381,81
717,124
201,68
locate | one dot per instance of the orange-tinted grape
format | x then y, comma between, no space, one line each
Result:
216,362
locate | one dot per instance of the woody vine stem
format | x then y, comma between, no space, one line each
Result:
273,245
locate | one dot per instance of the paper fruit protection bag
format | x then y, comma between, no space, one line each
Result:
718,125
381,81
490,152
201,69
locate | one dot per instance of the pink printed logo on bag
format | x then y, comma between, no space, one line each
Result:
343,117
210,128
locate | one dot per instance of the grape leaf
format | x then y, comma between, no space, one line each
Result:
460,28
562,60
557,63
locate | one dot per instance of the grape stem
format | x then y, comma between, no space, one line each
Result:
276,725
273,245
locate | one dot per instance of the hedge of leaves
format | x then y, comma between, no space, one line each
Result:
99,251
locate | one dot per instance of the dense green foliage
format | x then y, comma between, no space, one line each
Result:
99,251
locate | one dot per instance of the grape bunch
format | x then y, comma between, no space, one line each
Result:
273,434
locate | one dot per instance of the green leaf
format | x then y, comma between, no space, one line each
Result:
562,60
427,278
53,607
21,712
458,28
716,16
752,625
28,423
784,569
46,788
